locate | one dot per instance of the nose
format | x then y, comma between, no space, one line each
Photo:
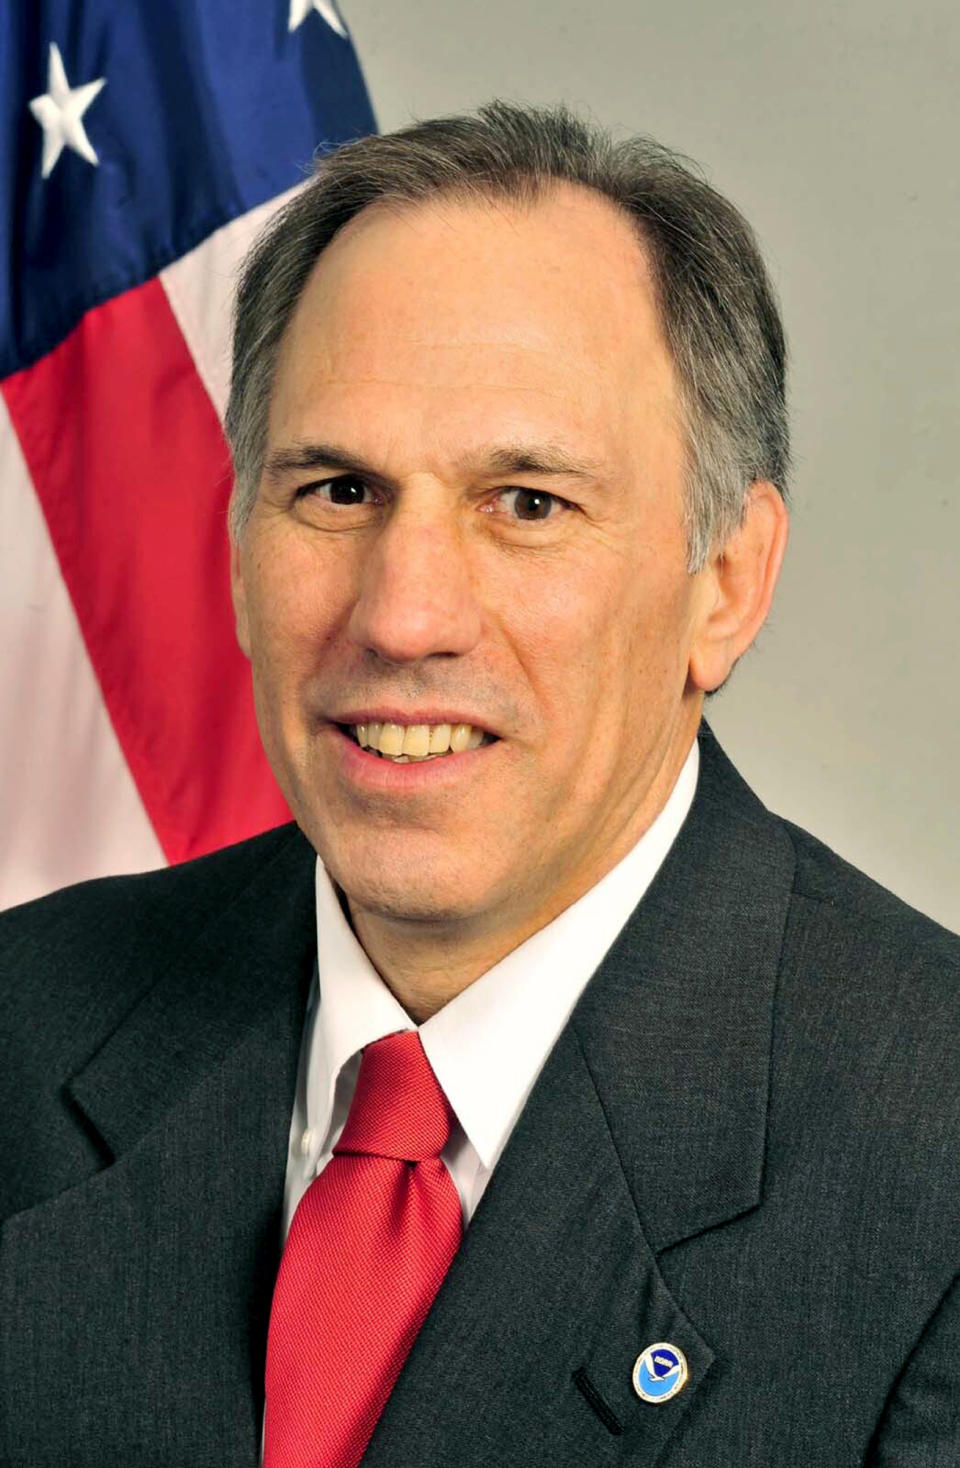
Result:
417,598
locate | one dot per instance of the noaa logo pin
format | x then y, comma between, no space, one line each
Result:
660,1372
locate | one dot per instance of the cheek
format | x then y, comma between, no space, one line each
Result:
566,636
292,604
554,624
605,647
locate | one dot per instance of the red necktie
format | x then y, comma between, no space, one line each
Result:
367,1251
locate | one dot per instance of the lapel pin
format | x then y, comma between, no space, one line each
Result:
660,1372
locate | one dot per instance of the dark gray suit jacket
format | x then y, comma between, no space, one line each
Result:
746,1142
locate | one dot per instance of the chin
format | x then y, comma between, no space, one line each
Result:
403,888
400,872
411,900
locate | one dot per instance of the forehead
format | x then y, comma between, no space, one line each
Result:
471,303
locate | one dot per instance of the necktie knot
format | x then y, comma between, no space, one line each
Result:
398,1109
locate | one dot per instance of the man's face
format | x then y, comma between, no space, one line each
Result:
472,511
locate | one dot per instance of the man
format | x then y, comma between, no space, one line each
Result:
645,1105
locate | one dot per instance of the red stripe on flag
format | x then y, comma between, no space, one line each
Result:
130,464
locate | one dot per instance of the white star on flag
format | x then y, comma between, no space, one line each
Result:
300,9
59,113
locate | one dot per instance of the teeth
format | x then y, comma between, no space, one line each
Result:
418,741
391,739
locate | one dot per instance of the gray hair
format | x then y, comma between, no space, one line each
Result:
716,303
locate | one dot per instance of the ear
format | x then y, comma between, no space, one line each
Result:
238,592
738,585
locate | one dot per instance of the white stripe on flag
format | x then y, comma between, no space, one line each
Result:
200,289
68,806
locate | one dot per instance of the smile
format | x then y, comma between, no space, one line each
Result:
407,743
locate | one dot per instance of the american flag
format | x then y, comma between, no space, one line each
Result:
142,145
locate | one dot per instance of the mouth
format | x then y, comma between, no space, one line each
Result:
415,743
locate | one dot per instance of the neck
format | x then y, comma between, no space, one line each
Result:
424,971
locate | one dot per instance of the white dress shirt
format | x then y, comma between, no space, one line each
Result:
486,1046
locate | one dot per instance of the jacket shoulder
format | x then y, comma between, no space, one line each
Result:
73,963
93,911
868,912
868,1040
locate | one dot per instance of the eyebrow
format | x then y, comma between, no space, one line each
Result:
307,456
505,459
538,459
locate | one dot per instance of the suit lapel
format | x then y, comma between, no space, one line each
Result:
553,1295
646,1126
245,968
157,1272
676,1025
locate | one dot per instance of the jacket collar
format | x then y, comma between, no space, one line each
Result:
676,1026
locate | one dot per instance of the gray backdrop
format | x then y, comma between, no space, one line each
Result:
834,127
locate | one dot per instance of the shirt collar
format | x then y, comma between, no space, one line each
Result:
356,1007
488,1045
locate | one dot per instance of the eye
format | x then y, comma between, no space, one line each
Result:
345,489
532,505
